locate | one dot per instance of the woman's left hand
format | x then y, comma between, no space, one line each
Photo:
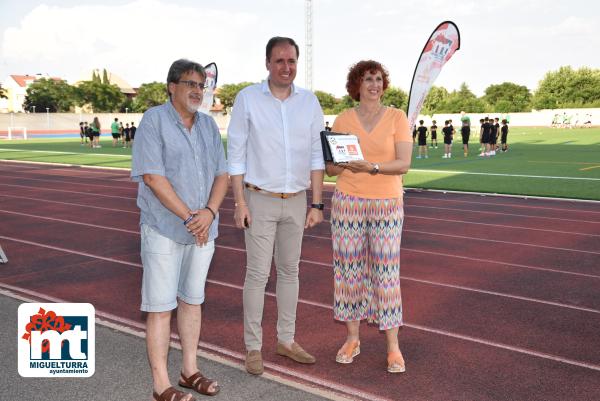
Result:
359,166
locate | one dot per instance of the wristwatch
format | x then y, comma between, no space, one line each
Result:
375,169
319,206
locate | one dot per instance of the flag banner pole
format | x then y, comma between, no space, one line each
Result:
441,45
211,84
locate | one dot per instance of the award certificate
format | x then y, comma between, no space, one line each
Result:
344,148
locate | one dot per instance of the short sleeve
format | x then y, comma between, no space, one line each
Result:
401,128
147,152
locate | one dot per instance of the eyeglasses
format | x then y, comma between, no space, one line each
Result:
195,85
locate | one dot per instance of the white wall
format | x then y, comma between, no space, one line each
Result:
70,121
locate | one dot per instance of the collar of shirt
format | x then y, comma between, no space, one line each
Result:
266,90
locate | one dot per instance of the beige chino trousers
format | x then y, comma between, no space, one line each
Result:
276,231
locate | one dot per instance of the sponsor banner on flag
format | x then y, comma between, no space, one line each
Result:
211,85
440,46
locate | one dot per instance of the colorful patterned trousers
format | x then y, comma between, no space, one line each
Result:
366,236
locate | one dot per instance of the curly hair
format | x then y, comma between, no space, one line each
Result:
355,76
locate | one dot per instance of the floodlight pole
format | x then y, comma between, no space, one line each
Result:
308,26
48,116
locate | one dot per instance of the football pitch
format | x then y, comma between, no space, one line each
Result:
540,162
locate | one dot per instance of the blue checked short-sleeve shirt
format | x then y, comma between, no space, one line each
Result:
190,160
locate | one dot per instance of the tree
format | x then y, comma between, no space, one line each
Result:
395,97
105,79
462,100
2,93
228,92
344,103
55,95
104,98
568,88
150,95
434,100
508,97
327,101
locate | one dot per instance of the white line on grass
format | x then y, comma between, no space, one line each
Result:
62,153
501,175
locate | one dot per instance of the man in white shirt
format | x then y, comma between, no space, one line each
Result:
274,153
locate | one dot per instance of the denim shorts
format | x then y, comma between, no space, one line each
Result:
171,271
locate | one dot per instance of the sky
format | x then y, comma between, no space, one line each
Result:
515,41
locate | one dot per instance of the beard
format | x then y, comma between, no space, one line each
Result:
193,103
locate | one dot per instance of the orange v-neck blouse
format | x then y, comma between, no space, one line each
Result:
377,147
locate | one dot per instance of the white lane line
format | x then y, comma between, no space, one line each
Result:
412,216
321,237
331,390
326,222
92,194
585,219
122,230
478,340
83,182
501,242
523,198
108,209
312,236
446,255
416,170
328,265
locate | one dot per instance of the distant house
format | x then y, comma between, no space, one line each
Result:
16,90
113,79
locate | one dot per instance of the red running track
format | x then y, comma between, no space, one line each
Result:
501,294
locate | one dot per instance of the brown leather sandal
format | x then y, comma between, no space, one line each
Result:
199,383
171,394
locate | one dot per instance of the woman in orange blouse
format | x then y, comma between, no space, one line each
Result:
367,215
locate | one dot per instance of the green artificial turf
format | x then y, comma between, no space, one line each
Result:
540,162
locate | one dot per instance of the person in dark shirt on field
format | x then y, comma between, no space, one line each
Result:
433,131
422,136
497,126
504,135
82,132
493,137
447,130
132,130
127,135
465,131
485,137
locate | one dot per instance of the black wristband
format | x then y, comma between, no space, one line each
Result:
319,206
211,212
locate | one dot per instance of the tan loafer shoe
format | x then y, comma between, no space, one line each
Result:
254,363
296,353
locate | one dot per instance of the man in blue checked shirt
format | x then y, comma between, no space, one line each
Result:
179,162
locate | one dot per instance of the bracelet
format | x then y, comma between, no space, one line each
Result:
186,221
240,204
211,212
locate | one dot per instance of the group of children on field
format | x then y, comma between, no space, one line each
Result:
125,135
489,134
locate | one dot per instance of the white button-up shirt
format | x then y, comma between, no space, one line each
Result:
275,143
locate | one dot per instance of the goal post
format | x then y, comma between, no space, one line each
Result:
17,133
